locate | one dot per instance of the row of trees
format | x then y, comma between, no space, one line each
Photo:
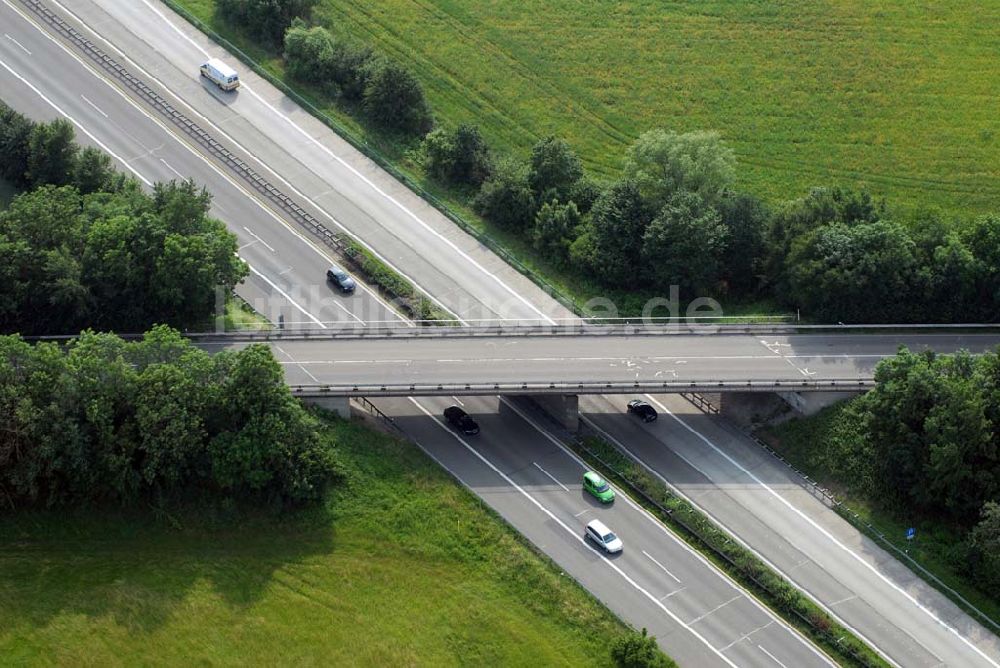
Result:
86,247
110,421
675,218
35,154
388,93
930,445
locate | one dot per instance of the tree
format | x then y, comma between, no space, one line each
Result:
864,273
94,172
394,99
745,218
983,240
309,53
350,67
52,153
908,386
554,169
460,156
662,162
683,244
820,207
952,278
963,468
618,225
15,137
555,229
506,198
264,19
638,650
984,547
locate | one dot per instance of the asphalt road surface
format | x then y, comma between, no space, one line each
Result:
287,269
703,630
348,190
557,359
698,615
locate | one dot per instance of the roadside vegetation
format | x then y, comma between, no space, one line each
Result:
106,421
398,565
669,208
920,451
781,596
83,246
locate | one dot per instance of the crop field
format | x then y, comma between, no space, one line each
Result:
899,97
403,567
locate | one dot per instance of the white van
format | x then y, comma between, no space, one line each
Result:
220,74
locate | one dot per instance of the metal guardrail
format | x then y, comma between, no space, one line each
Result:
525,328
335,241
581,387
582,327
379,159
866,528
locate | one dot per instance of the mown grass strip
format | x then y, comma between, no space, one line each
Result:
742,565
401,566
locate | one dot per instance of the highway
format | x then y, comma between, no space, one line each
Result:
907,620
712,621
593,359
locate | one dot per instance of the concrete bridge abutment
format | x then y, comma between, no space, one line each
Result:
563,408
339,405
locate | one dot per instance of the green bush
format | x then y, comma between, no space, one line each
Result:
638,650
394,99
110,421
264,19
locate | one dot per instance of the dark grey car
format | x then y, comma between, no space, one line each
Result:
642,410
341,279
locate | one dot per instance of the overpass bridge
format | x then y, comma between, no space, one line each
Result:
592,360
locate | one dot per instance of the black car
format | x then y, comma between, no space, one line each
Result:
341,279
460,420
641,409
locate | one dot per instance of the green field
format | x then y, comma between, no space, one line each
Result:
895,96
403,567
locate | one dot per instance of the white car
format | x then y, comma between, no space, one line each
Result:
602,535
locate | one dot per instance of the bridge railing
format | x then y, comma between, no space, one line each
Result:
591,327
580,387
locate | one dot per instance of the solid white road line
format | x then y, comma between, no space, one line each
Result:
265,166
442,238
576,534
76,123
827,534
683,545
565,488
662,567
289,298
729,531
177,138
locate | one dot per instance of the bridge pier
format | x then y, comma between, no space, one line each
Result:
339,405
563,408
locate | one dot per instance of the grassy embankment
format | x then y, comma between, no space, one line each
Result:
402,567
824,447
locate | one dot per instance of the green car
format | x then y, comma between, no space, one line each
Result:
598,486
